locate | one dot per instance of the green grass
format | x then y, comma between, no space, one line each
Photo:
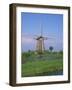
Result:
48,64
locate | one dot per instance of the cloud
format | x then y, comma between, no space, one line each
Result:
27,43
27,40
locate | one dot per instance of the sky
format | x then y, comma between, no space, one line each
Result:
52,28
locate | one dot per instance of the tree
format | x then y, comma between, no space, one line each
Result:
51,48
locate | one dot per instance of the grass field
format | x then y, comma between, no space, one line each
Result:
41,65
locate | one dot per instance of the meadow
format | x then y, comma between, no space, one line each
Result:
46,64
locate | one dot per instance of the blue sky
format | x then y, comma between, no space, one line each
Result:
52,27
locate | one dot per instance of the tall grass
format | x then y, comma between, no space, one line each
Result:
48,64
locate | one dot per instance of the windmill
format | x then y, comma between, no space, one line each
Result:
40,47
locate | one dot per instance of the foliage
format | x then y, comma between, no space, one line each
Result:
41,67
46,64
61,52
51,48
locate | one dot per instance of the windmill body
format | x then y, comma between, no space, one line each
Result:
40,47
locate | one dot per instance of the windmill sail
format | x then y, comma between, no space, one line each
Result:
40,47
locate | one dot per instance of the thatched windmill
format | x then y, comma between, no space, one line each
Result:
40,47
